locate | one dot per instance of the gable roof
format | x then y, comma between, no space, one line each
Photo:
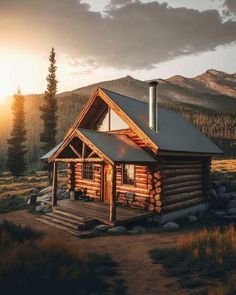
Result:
51,152
174,132
112,147
117,147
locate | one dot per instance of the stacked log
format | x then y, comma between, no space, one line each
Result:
181,183
155,190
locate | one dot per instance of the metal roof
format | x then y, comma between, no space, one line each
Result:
174,132
51,152
117,147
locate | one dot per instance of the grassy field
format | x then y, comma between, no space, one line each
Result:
33,264
205,261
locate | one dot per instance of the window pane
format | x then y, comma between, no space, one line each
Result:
116,122
128,174
88,171
103,122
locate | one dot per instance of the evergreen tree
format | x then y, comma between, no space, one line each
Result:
16,148
49,109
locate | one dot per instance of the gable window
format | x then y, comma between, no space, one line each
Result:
128,174
88,171
110,121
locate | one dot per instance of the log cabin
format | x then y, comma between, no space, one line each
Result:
126,152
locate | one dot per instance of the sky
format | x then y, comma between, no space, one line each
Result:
97,40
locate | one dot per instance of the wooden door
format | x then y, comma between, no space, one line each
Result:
107,183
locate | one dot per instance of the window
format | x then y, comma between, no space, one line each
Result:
88,170
103,122
128,174
110,121
116,122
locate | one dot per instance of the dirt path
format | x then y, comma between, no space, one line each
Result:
140,276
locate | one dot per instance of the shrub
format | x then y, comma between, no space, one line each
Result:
12,203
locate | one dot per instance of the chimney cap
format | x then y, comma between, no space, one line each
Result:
153,83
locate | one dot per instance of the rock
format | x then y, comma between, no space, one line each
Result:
231,204
101,228
221,190
32,199
45,198
192,218
214,194
231,211
43,209
171,225
231,207
137,229
45,191
117,229
220,212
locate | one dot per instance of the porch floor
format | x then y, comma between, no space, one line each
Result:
100,211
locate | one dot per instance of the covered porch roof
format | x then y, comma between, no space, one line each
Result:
110,147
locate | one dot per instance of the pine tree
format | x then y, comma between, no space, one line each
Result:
49,109
16,148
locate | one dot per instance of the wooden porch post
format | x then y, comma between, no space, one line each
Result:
54,188
113,196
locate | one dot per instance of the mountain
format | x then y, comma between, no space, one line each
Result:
209,94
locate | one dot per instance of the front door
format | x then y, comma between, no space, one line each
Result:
107,183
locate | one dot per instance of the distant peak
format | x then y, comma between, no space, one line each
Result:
215,72
128,77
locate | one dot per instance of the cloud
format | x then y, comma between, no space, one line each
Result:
130,35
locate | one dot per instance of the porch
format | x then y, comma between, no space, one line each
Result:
100,212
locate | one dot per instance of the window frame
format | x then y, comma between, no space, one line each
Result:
123,174
83,171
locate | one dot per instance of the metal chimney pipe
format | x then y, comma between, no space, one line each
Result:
153,106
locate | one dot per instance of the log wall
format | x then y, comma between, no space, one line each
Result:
91,187
178,182
140,188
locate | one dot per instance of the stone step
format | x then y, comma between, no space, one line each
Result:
64,228
60,222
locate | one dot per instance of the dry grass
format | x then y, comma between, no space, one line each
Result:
203,259
23,186
34,264
228,165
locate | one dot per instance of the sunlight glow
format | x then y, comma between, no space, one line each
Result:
20,70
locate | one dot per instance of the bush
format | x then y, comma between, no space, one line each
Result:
12,203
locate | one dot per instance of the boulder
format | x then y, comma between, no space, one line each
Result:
192,218
214,194
137,229
101,228
220,212
231,204
45,198
221,190
231,207
43,209
45,191
32,200
117,229
171,225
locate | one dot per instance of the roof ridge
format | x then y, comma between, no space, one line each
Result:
129,97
